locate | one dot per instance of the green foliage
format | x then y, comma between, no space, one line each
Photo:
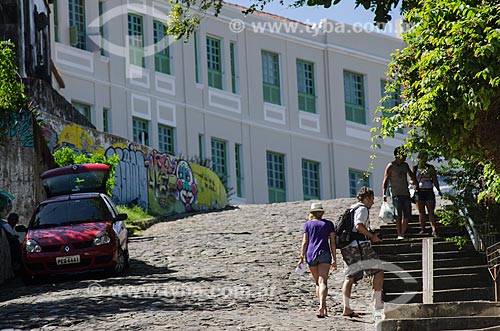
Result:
135,213
66,156
459,241
469,184
12,97
450,73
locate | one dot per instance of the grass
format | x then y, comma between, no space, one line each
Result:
137,219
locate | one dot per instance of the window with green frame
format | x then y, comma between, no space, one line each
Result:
136,40
201,146
276,183
105,120
197,57
234,68
219,159
101,28
305,86
357,179
239,170
271,78
162,51
393,101
214,63
56,21
166,139
310,179
78,33
354,94
83,109
140,129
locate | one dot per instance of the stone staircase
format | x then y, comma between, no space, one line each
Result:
470,315
459,275
462,284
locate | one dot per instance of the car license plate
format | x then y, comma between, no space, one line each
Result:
67,259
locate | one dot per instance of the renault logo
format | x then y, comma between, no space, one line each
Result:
66,248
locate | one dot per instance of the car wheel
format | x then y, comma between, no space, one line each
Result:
120,262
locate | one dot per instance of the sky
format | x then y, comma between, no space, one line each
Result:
342,12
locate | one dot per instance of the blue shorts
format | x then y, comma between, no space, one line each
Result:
324,257
402,206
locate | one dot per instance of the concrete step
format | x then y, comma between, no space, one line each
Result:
417,256
414,284
385,248
476,315
461,294
410,264
443,231
443,309
439,323
447,271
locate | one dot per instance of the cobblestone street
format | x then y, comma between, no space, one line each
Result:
229,270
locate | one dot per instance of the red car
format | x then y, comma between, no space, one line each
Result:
75,232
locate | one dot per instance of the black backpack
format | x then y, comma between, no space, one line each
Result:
343,229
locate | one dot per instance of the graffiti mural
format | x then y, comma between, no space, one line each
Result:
131,177
19,125
187,189
157,182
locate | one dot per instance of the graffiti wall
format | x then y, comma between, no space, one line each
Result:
158,182
19,160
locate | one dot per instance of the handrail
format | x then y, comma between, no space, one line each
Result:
471,229
493,261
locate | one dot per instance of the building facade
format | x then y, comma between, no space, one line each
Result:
282,110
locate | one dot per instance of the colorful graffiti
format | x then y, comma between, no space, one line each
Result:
19,125
157,182
170,180
131,177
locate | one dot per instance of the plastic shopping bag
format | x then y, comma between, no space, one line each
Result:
386,212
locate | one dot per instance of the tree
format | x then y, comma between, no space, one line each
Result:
12,97
183,22
450,74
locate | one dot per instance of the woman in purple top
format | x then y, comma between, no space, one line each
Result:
318,248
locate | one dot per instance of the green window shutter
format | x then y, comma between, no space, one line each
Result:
219,159
357,179
233,67
271,78
354,96
276,181
136,40
78,27
214,63
140,125
310,180
166,139
305,86
239,170
162,52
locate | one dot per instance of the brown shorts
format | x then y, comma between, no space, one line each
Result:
360,260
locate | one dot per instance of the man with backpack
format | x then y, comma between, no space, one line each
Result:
359,257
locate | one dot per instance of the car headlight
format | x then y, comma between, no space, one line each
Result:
32,246
102,239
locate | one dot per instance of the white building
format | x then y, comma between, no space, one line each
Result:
284,114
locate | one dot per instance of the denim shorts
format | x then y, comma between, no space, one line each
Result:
402,206
324,257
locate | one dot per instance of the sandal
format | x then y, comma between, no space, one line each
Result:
351,314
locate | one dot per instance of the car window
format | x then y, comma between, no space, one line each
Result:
68,212
111,205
